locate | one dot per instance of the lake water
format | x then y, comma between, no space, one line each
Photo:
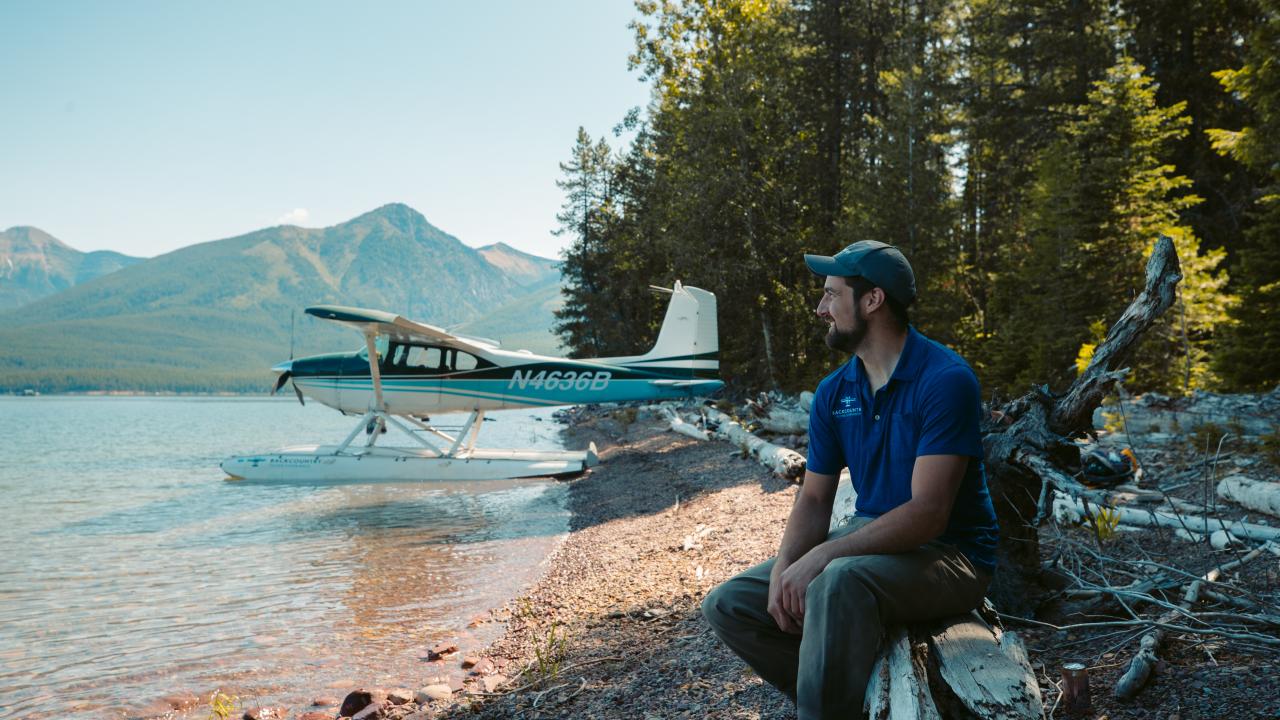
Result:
131,569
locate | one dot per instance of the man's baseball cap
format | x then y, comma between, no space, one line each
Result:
880,263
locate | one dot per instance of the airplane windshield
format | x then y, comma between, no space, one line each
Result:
381,344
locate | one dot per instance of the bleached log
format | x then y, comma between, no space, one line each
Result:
785,462
806,400
1221,540
899,686
1235,413
846,503
678,425
1193,523
1263,497
779,415
988,671
785,421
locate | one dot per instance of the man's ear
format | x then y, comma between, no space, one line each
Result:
874,298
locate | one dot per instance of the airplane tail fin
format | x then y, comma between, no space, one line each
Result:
688,343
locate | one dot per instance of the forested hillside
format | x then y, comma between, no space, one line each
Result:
216,316
1024,155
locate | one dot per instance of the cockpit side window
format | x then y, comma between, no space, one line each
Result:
398,353
424,359
380,345
465,361
430,360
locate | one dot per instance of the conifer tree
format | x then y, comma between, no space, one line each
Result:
582,322
1102,195
1019,65
1249,358
904,185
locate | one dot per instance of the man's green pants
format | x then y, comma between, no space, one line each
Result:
826,668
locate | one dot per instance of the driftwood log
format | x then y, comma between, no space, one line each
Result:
966,666
1238,415
678,425
1264,497
787,463
776,414
1193,524
1028,441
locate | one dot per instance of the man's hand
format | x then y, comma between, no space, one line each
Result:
806,529
795,580
786,622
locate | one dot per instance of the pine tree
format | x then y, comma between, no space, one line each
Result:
1249,358
1102,195
1180,44
905,181
1019,65
582,322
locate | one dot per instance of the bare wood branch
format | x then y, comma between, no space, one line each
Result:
1143,664
1075,411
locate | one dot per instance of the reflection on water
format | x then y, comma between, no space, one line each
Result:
131,569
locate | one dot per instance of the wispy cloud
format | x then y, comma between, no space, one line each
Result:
296,216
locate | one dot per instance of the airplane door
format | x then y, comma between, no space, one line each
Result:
411,381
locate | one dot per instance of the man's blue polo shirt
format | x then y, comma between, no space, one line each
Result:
930,406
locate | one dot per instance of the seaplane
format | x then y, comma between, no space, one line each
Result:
408,371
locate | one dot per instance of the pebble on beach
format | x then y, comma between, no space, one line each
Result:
357,701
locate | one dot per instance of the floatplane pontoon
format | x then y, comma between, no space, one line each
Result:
408,371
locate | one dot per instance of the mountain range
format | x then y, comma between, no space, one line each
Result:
34,264
217,315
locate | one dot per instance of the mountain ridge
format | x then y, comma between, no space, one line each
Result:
35,264
216,314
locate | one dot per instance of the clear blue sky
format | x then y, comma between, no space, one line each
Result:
143,127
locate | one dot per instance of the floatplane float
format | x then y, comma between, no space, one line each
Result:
408,371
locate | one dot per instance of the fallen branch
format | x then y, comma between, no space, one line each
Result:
1208,630
1191,523
1143,664
785,462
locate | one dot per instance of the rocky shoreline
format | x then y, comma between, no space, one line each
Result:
612,629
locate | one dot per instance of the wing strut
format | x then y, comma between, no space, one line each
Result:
371,342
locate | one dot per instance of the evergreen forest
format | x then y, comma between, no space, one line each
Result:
1024,155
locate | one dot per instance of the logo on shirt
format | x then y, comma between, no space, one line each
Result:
849,407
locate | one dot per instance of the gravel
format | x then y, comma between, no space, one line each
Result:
613,628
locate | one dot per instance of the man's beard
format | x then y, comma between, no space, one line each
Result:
847,340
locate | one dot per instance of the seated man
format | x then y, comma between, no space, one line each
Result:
902,415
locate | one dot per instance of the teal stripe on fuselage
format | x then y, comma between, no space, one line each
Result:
505,391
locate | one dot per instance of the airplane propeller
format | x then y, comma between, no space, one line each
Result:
280,381
286,373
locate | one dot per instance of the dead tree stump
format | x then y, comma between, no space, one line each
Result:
1027,440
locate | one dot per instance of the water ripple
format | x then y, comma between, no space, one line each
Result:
138,571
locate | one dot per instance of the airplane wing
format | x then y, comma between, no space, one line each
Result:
384,323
